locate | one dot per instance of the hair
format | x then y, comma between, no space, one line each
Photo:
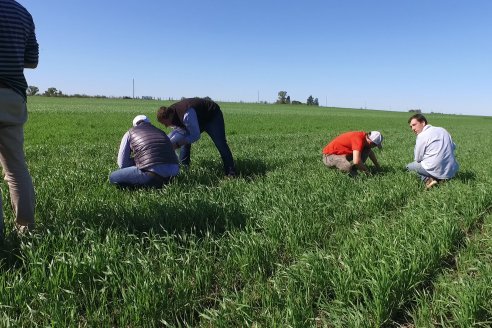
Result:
419,117
163,113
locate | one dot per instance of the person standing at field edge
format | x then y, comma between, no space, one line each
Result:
19,50
434,159
154,161
356,147
189,118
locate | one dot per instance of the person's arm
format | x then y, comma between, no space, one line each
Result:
419,150
30,65
124,153
373,158
177,137
190,122
31,54
357,158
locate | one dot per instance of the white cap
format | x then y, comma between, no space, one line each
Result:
376,137
140,118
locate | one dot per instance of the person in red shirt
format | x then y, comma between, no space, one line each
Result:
354,146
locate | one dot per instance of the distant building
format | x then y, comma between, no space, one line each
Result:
147,97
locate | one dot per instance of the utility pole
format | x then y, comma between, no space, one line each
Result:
133,80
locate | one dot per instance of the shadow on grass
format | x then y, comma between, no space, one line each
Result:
246,168
252,168
465,176
10,252
211,172
384,169
197,217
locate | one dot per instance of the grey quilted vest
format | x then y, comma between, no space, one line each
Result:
151,146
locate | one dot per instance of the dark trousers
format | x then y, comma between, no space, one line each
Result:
215,128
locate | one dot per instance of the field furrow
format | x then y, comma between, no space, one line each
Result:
461,297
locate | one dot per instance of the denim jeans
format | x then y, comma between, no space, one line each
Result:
417,167
215,128
133,177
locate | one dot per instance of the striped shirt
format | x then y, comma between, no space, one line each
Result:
18,45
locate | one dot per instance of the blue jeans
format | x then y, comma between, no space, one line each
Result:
215,128
133,177
417,167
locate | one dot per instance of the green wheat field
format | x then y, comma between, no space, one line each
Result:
289,243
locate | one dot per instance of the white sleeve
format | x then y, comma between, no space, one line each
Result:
190,121
419,150
177,136
124,159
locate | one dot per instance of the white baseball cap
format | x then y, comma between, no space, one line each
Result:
376,137
140,118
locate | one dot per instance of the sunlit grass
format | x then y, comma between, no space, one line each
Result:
288,243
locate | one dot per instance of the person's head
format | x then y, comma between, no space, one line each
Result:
417,123
375,139
139,119
165,116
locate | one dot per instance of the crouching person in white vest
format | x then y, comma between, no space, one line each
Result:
146,157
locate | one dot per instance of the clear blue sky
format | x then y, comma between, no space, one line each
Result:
392,54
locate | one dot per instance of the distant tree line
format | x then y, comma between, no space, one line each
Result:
54,92
283,99
33,90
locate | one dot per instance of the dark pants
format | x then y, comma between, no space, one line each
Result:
215,128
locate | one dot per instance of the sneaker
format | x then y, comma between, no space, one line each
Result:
24,230
231,173
430,182
353,173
